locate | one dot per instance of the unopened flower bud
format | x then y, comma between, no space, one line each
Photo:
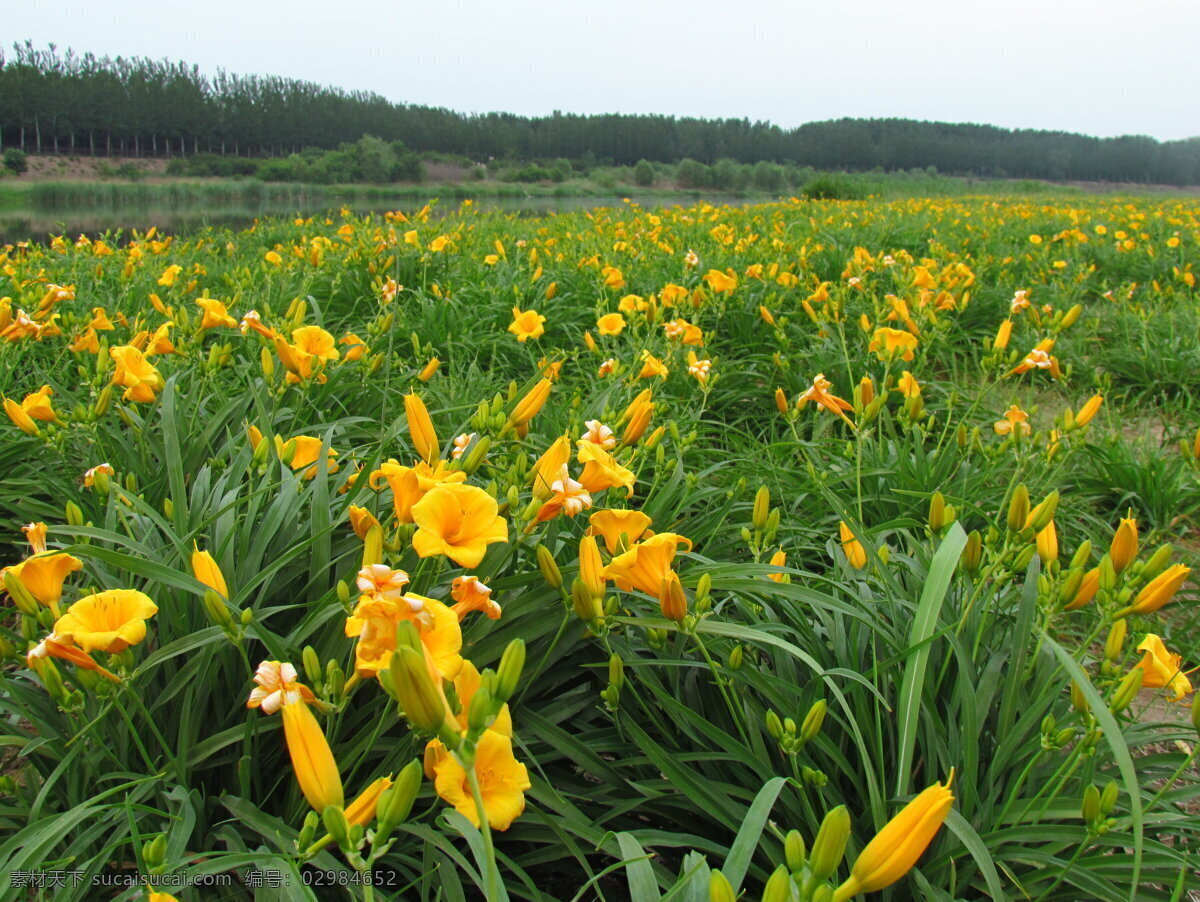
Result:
973,553
1126,690
1018,508
829,847
794,851
779,886
762,507
508,672
719,888
549,568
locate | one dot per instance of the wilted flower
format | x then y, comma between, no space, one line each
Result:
470,594
1013,422
278,684
599,434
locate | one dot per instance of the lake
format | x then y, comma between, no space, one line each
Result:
81,215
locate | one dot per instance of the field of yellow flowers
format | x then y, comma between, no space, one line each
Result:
815,550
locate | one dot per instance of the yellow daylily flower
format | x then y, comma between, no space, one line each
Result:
459,521
107,621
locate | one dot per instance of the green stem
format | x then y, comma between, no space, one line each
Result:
493,874
734,711
562,628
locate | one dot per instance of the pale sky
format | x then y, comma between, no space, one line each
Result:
1101,67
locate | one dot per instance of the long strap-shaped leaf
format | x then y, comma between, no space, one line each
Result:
929,610
746,842
1116,741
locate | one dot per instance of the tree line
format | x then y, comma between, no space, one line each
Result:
52,102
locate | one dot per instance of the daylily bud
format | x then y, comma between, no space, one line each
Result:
1107,574
896,848
21,417
529,405
1041,516
20,595
1047,544
312,760
217,610
1078,700
1115,641
336,826
154,853
508,673
312,664
616,671
1071,316
719,888
762,507
396,801
104,401
672,599
1108,797
550,571
591,566
779,886
587,606
308,832
1091,805
74,514
429,370
973,553
1157,562
812,721
703,587
937,512
1024,556
781,403
373,546
206,571
477,454
1082,555
1124,546
423,703
829,847
1126,690
1089,410
1018,508
420,428
794,851
774,725
1158,591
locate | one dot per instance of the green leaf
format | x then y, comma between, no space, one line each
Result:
929,610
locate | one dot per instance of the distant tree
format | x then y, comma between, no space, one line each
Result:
15,160
61,102
643,174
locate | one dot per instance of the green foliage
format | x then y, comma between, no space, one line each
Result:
15,160
658,750
834,187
